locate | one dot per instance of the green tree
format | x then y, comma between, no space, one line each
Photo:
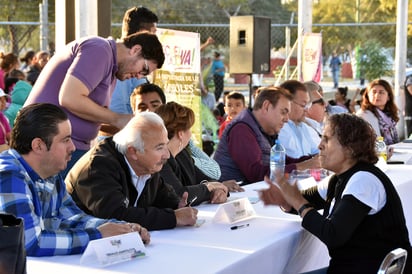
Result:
17,36
376,63
341,38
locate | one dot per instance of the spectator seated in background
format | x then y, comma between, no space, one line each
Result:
379,109
330,109
4,123
235,103
19,95
12,78
39,61
8,63
208,98
299,139
341,100
221,105
27,60
118,178
33,189
180,171
244,149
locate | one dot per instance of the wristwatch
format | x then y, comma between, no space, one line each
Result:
303,207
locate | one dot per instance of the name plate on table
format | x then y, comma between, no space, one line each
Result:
112,250
234,211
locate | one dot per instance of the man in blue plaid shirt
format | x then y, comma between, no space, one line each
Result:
32,188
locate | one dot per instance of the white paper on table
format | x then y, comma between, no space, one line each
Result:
112,250
234,211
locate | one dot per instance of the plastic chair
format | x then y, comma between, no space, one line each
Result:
394,262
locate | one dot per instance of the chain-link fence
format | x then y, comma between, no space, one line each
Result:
370,43
344,39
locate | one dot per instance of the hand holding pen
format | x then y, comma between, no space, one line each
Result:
189,203
185,214
184,202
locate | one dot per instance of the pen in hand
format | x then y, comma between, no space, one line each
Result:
189,203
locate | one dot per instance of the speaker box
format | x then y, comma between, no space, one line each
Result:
249,44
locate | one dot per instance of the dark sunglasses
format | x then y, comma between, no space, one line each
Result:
319,101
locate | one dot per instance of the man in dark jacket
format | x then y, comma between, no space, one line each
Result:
118,178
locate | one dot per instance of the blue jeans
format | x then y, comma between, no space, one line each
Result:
335,75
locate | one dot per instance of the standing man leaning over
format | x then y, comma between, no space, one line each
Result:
81,76
118,178
244,149
135,19
31,187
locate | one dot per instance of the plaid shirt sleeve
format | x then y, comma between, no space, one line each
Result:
205,163
54,225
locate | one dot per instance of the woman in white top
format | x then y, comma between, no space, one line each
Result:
379,109
362,218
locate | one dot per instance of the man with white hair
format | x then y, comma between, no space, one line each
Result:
118,178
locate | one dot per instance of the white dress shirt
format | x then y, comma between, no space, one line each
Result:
299,139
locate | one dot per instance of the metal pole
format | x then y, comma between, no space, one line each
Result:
304,26
44,25
287,45
400,60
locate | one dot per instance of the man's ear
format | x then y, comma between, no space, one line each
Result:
136,50
266,104
37,145
180,134
133,153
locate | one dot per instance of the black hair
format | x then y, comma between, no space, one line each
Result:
152,49
343,91
39,120
137,19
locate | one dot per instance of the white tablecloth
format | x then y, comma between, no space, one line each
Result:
273,243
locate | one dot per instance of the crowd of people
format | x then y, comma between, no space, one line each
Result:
94,150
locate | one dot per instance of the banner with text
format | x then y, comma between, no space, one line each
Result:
312,57
179,75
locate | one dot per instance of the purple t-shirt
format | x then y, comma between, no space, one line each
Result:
93,61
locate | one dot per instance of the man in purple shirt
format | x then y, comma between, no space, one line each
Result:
244,149
81,77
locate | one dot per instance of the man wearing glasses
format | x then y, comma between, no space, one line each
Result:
319,108
244,149
135,19
299,139
81,76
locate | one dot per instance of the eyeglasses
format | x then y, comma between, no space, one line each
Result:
145,71
318,101
305,107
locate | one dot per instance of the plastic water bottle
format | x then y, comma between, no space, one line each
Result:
277,160
382,153
381,149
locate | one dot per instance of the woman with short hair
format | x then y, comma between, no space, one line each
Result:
362,217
